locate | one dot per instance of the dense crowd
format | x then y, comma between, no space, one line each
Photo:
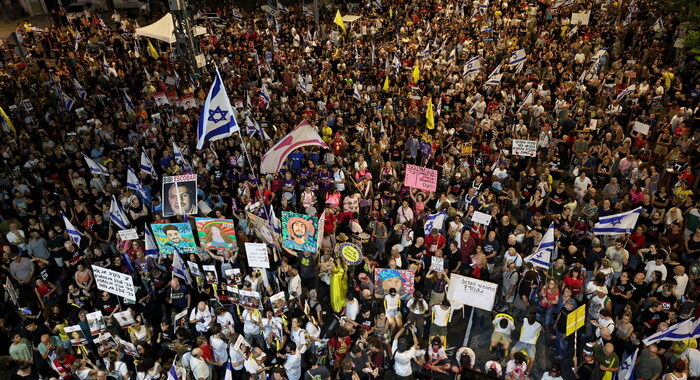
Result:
603,147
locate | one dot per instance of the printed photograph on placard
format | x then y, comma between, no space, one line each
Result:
172,237
234,295
241,346
299,231
250,299
279,303
218,234
210,274
96,322
76,335
105,343
399,279
194,269
180,195
124,318
234,276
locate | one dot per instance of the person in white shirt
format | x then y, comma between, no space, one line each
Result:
218,347
292,363
529,334
202,317
199,367
503,326
691,357
581,185
554,373
294,284
441,317
272,328
681,281
352,307
237,359
225,320
252,322
656,265
255,364
404,214
404,355
338,178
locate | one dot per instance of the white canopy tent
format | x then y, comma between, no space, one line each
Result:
163,30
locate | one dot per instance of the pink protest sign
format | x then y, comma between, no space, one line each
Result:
421,178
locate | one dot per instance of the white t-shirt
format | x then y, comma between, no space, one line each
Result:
236,357
200,368
293,366
203,318
402,362
352,309
249,322
681,285
516,369
337,177
693,357
392,303
530,332
651,267
582,185
507,330
441,316
218,346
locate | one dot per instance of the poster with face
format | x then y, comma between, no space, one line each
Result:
249,299
263,230
210,274
172,237
96,322
218,234
234,295
279,303
299,231
399,279
124,319
105,343
234,276
180,195
76,335
194,269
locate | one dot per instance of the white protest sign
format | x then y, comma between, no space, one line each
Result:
129,234
257,255
437,264
471,291
641,128
593,124
526,148
119,284
481,218
582,18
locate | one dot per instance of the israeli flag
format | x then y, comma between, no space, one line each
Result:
133,183
680,331
78,38
147,166
438,107
658,25
476,100
179,268
236,15
95,168
179,158
275,46
626,371
308,13
518,59
281,8
248,103
108,68
128,104
453,55
396,63
75,235
622,223
426,51
494,80
302,84
150,240
472,67
66,101
117,215
81,91
254,128
229,371
216,120
529,100
628,19
172,373
483,7
434,221
630,89
264,96
356,92
542,257
572,31
562,4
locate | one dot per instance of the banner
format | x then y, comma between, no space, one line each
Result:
119,284
263,230
174,237
130,234
218,234
257,255
421,178
471,291
179,195
299,231
399,279
351,253
527,148
575,320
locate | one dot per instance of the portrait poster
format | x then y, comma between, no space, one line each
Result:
234,295
105,343
218,234
299,231
241,345
279,303
234,276
76,335
210,274
399,279
124,318
194,269
174,237
96,322
250,299
180,319
263,230
179,195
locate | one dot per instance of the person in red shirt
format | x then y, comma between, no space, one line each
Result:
338,144
207,352
435,241
339,346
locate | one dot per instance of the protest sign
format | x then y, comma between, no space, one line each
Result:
179,194
119,284
96,322
471,291
129,234
582,18
527,148
437,264
210,274
174,237
399,279
218,234
421,178
481,218
351,253
299,231
257,255
76,335
279,303
641,128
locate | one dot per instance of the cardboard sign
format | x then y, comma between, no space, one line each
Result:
582,18
257,255
481,218
437,264
641,128
527,148
129,234
351,253
467,149
421,178
119,284
575,320
471,291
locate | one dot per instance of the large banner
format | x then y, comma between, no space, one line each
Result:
172,237
299,231
385,279
218,234
119,284
180,195
471,291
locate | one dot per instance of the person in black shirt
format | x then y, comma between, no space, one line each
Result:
640,289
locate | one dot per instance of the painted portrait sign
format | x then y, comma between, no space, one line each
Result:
399,279
172,237
218,234
299,231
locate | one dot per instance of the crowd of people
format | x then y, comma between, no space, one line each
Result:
612,104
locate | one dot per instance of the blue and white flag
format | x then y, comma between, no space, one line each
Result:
528,101
622,223
397,64
264,96
308,13
626,371
179,158
229,371
494,80
302,84
426,50
179,268
434,221
248,103
133,183
275,46
117,214
66,101
558,4
472,67
453,55
542,257
630,89
78,38
108,68
150,242
216,120
627,19
128,104
95,168
572,31
438,106
236,15
253,128
483,7
172,372
74,234
356,92
476,100
81,91
281,8
680,331
147,166
518,59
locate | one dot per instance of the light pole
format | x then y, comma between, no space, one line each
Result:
186,48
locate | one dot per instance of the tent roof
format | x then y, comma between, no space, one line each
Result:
351,18
162,29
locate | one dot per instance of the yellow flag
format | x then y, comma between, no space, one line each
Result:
6,122
339,20
152,51
429,116
391,12
416,73
386,83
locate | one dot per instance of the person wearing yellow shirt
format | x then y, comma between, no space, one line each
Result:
667,76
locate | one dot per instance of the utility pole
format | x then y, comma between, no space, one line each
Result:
186,47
